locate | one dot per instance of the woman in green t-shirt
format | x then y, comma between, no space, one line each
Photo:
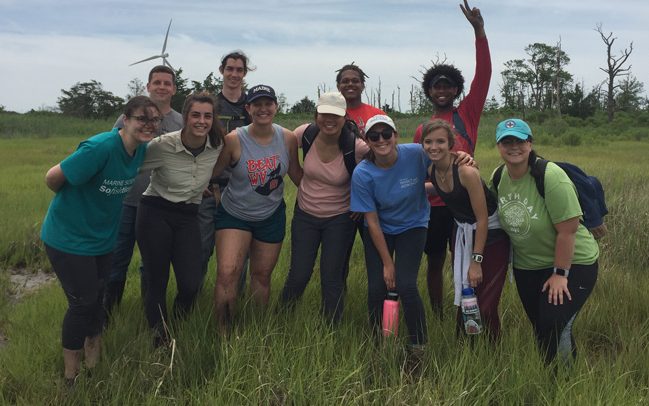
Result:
80,228
555,256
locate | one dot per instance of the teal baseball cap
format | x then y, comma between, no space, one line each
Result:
514,127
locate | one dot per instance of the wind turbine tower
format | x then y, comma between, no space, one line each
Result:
164,55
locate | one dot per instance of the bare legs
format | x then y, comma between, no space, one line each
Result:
232,246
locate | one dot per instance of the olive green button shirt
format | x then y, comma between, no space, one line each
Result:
176,174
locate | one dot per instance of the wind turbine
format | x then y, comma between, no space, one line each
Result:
162,55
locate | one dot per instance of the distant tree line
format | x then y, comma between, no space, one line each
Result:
538,82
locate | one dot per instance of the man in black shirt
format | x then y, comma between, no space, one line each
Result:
232,114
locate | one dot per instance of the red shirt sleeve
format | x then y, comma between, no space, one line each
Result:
470,109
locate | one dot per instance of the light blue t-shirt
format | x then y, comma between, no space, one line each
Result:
83,218
397,193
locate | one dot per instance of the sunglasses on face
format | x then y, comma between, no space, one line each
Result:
509,141
376,135
146,120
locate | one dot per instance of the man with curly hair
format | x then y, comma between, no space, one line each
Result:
443,84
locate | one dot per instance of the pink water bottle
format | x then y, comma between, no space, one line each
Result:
391,314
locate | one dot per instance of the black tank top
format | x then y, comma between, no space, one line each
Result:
458,201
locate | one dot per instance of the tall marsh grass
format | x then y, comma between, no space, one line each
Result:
279,358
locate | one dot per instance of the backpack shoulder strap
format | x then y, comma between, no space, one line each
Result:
348,145
458,123
495,179
307,138
537,171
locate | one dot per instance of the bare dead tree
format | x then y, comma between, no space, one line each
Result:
614,68
378,95
399,97
322,88
369,96
412,99
556,94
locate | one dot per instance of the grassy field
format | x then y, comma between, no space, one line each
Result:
275,358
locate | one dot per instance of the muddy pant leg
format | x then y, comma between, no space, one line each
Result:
82,279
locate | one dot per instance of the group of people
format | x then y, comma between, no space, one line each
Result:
213,176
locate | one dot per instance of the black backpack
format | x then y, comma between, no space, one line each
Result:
346,142
589,189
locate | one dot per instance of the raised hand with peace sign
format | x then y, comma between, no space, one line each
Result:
474,17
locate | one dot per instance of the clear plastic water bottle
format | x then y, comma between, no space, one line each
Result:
391,314
470,312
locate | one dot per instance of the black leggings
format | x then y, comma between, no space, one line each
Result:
82,279
168,233
553,323
406,249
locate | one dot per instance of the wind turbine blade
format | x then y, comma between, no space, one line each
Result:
164,46
164,61
144,60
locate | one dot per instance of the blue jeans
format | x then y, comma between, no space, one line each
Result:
308,233
406,249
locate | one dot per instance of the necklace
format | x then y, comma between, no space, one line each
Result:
442,175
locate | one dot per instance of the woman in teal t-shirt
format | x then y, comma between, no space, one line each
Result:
555,257
80,227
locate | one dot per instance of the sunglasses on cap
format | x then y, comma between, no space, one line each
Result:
376,135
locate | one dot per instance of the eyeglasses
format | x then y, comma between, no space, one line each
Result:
375,135
509,141
146,120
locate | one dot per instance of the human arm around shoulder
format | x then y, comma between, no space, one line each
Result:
471,181
294,169
378,239
230,154
54,178
464,158
360,150
154,157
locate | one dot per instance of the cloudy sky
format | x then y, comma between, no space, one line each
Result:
296,45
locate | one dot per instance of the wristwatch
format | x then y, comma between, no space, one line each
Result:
476,257
561,271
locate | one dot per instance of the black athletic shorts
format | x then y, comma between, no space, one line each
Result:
440,230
